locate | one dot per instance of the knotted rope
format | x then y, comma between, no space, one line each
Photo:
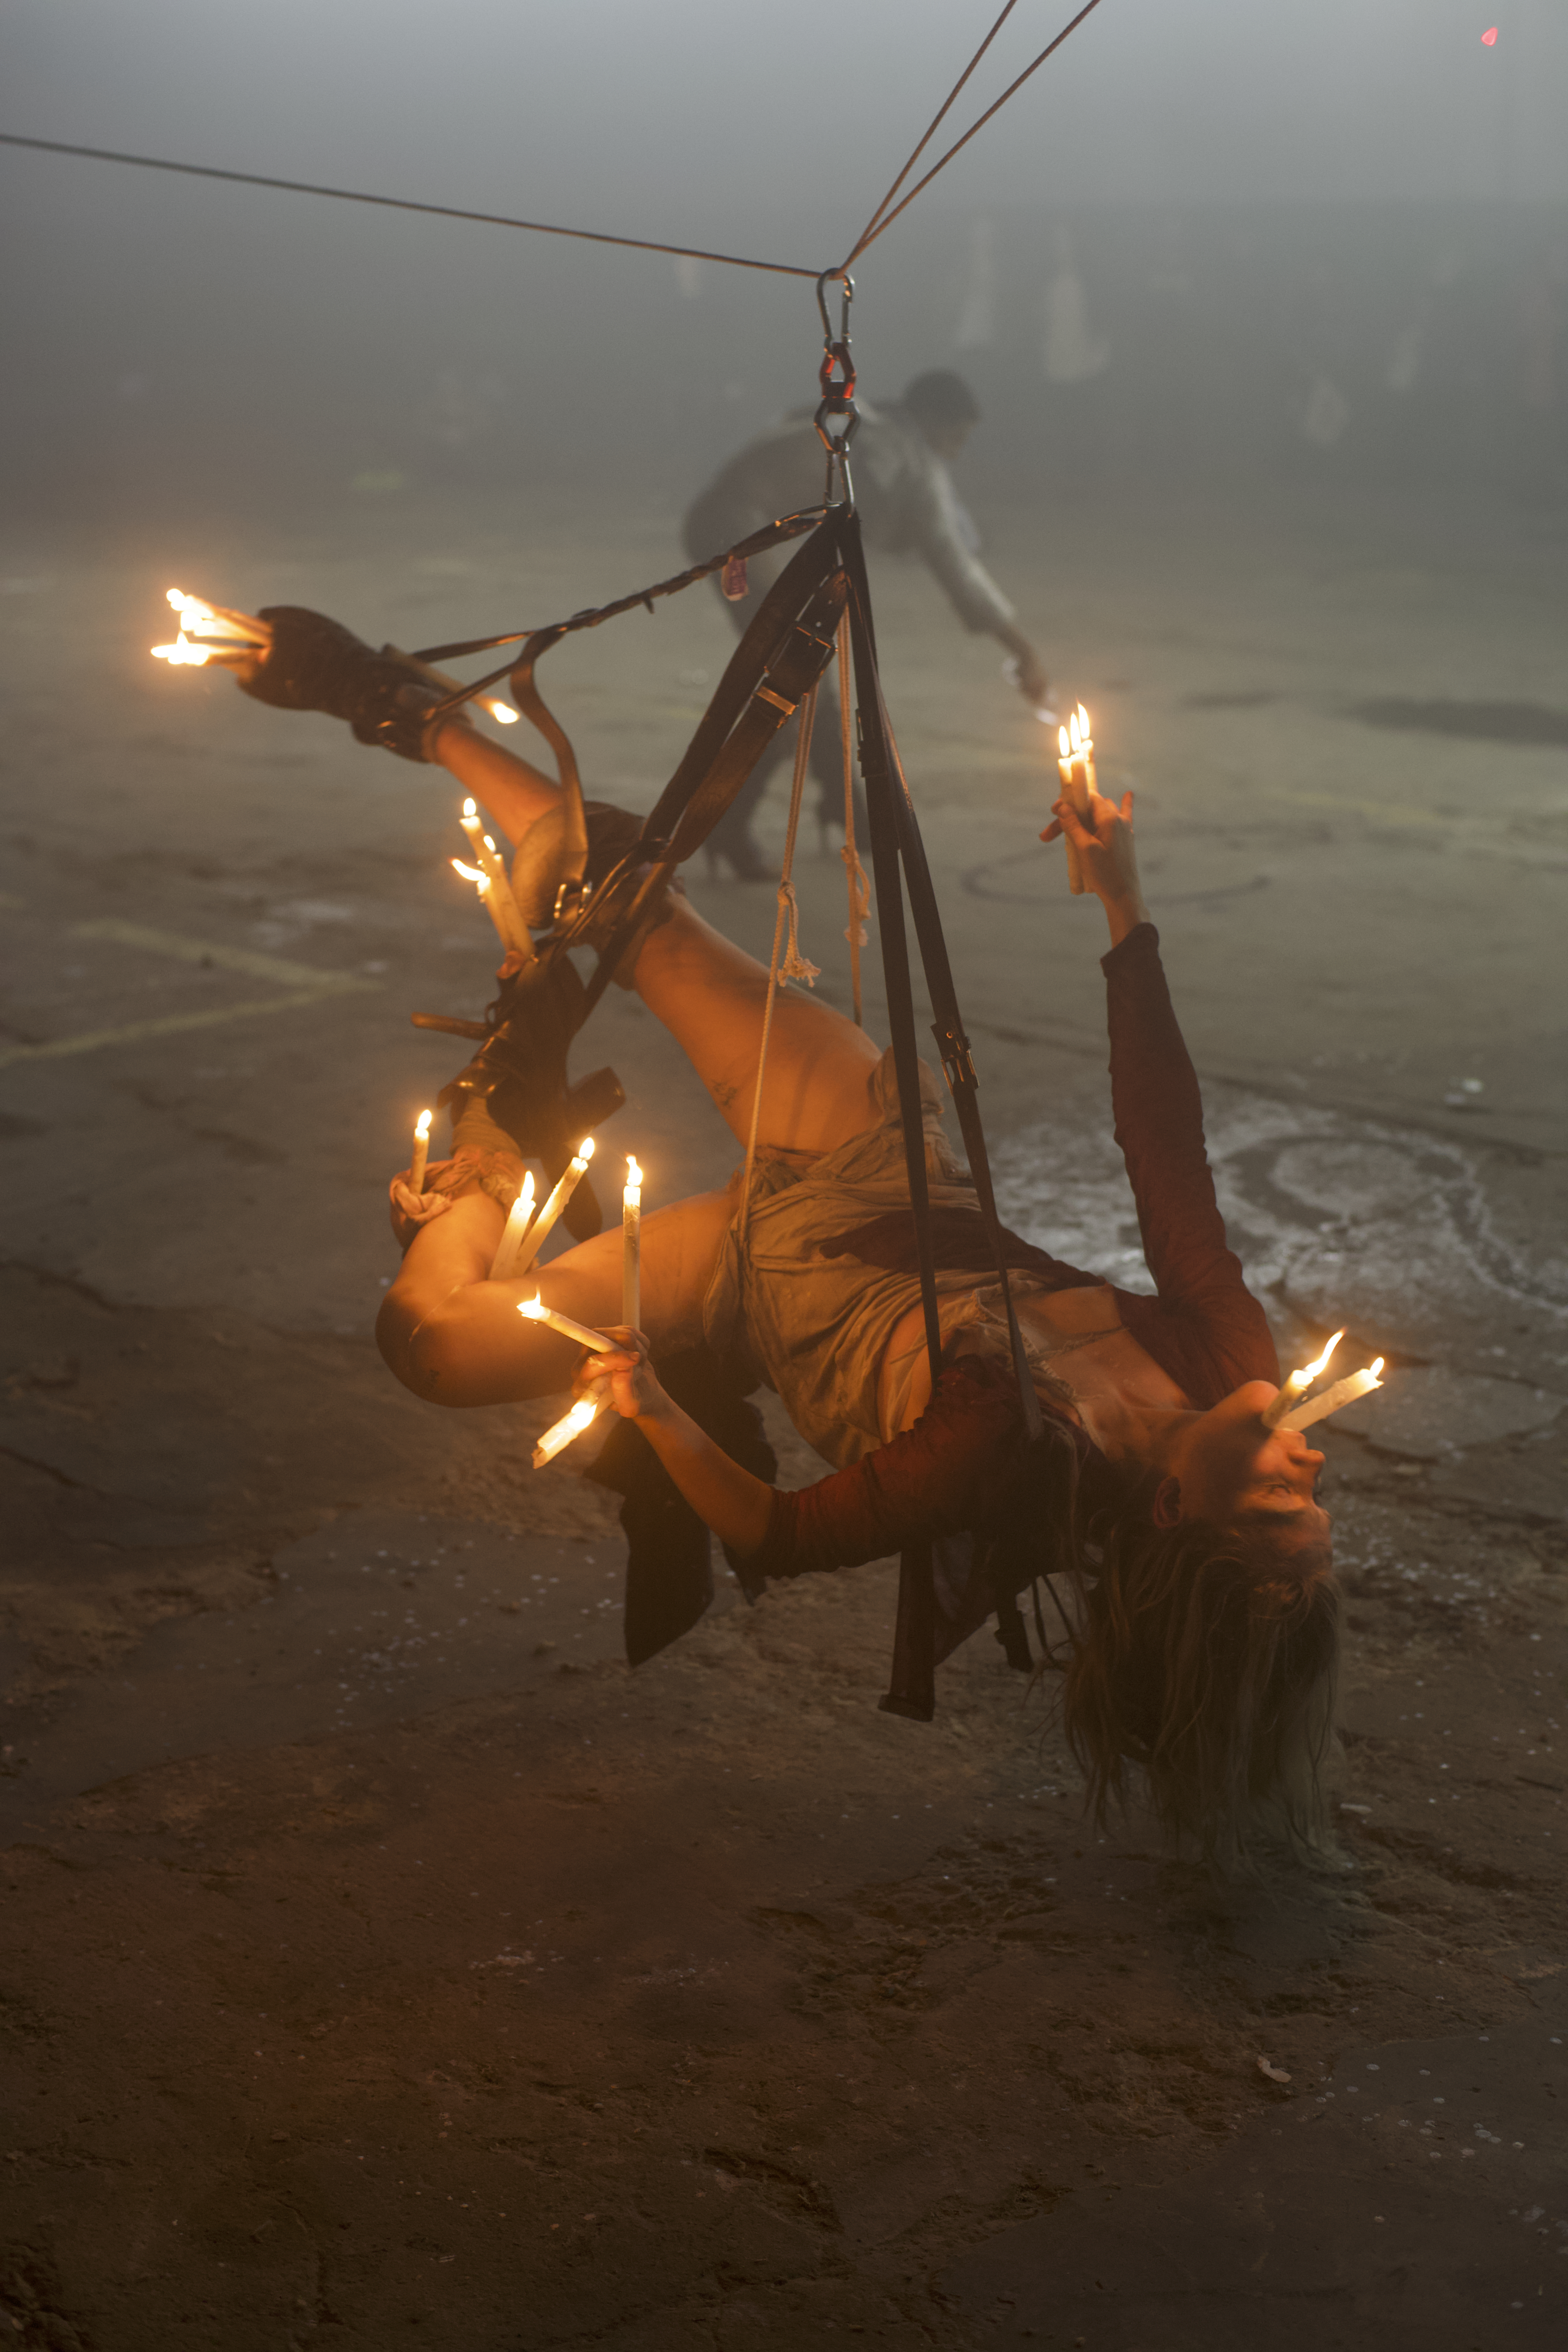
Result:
787,963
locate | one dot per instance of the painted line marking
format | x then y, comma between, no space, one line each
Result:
90,1040
202,952
306,982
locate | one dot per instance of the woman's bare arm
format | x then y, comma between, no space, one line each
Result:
727,1498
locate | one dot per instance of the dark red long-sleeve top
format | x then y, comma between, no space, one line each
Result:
1203,1327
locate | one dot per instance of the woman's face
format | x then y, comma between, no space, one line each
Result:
1233,1467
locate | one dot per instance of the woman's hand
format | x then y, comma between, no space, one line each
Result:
412,1211
634,1391
1106,856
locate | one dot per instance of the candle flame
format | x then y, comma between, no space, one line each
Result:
1310,1373
503,711
489,844
1074,733
1083,737
585,1149
534,1308
469,873
182,653
422,1125
1376,1367
470,808
1064,746
582,1413
633,1174
526,1198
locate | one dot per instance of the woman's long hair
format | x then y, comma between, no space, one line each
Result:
1205,1656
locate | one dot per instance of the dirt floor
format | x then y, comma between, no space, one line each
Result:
383,1962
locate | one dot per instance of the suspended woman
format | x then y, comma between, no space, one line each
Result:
1188,1535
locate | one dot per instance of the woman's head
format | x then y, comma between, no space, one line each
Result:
1208,1646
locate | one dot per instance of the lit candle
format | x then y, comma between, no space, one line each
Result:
576,1170
561,1432
505,912
1296,1385
481,882
1335,1400
515,1226
537,1312
1076,768
631,1246
218,635
421,1151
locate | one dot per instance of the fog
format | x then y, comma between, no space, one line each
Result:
1335,235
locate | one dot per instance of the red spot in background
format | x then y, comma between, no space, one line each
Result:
1489,40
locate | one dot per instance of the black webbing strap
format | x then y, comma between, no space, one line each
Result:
899,858
787,646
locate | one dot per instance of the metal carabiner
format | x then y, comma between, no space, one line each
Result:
837,419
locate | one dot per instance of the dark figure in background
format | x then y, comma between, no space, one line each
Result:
908,506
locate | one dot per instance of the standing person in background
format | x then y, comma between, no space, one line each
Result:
908,506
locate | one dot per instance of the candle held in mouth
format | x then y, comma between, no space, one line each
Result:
515,1226
538,1233
536,1311
561,1432
421,1151
631,1246
1296,1385
1335,1400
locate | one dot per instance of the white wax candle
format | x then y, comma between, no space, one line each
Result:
481,880
572,1176
1296,1385
631,1246
561,1432
421,1151
537,1312
1335,1400
505,912
1076,768
515,1228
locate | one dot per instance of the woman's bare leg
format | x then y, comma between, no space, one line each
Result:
709,995
455,1338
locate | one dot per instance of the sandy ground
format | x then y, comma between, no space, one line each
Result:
383,1962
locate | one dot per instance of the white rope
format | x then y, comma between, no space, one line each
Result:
855,873
788,962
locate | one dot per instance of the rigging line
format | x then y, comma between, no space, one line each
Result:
889,218
399,204
936,118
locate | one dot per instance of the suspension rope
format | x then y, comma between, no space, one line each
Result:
880,219
400,204
933,125
853,872
787,963
888,219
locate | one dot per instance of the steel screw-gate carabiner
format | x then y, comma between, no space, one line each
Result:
837,419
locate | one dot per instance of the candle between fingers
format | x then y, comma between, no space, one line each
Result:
515,1226
537,1312
561,1432
1335,1400
631,1246
576,1168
